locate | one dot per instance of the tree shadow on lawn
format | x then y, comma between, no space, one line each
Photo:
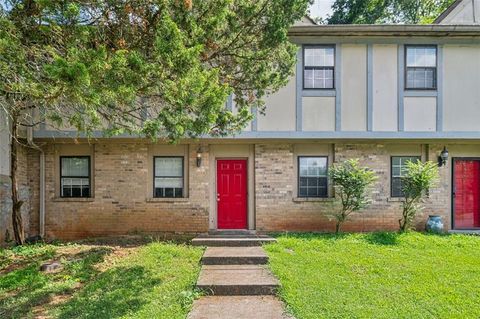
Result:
113,294
26,287
383,238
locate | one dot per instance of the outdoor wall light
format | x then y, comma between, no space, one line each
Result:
443,158
199,157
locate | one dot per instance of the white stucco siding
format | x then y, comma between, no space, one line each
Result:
280,110
235,111
385,77
461,88
318,114
354,87
420,114
467,12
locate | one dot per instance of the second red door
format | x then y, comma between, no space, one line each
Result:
232,194
466,194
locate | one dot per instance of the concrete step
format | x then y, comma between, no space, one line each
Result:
232,240
238,307
230,232
254,255
237,280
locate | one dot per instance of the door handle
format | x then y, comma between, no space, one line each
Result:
218,197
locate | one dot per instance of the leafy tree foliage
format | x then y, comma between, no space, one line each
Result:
148,67
420,177
387,11
352,183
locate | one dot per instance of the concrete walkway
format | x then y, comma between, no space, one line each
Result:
236,280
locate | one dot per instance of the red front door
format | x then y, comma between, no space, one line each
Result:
232,194
466,194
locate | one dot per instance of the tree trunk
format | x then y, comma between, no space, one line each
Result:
337,227
17,222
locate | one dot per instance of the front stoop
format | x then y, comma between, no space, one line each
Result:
248,307
237,280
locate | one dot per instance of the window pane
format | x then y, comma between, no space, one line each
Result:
169,182
323,78
168,187
75,166
312,177
168,166
431,57
308,80
398,171
320,56
421,57
397,187
75,187
313,166
421,78
169,192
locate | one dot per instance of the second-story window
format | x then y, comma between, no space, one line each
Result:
318,67
421,68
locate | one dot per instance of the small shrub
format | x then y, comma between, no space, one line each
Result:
419,178
351,182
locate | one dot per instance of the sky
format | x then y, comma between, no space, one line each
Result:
321,8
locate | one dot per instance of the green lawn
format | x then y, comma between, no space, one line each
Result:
381,275
153,280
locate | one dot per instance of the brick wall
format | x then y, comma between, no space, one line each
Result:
277,210
121,204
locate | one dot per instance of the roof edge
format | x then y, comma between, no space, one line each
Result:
386,30
447,11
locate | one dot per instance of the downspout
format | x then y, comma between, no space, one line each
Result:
41,226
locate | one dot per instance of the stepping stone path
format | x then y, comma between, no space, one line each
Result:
236,280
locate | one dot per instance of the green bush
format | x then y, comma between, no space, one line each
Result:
419,178
351,183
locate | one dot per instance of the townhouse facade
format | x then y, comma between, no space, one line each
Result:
384,94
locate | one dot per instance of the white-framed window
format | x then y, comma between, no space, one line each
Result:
168,181
75,178
398,170
312,176
421,67
318,67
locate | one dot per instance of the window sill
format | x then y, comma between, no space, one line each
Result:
167,200
74,199
395,199
313,199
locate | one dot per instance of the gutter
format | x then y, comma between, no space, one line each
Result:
41,219
431,30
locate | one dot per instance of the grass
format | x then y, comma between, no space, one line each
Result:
381,275
150,280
